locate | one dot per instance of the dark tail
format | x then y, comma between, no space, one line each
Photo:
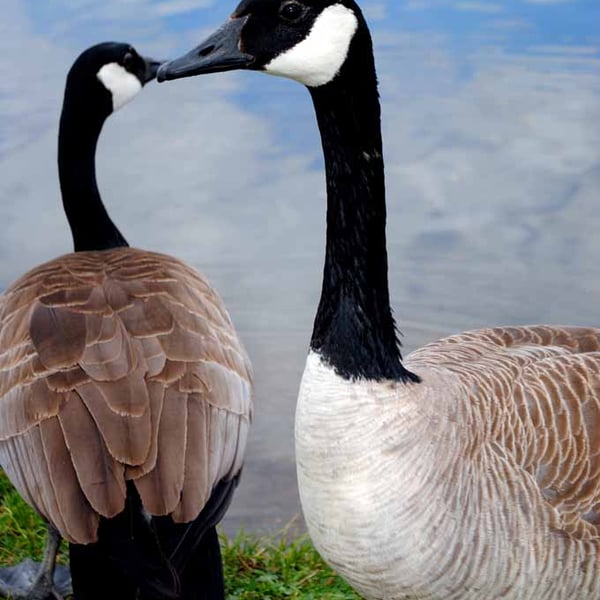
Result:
153,559
126,559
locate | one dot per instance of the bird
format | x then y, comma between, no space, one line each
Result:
468,469
125,392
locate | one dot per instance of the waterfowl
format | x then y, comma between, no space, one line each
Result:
125,393
469,470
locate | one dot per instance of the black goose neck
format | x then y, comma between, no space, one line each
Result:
80,128
354,329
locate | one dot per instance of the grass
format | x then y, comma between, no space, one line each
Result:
255,568
22,533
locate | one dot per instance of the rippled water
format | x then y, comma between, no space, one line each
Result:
492,132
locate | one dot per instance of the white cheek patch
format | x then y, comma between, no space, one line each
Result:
120,83
317,59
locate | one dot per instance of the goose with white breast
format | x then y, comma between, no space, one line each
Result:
469,470
125,393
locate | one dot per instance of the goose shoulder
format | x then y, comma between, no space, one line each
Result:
518,345
112,363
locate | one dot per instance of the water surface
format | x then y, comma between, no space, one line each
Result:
492,134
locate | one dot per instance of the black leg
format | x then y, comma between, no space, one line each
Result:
202,578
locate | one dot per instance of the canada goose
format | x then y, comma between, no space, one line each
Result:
125,394
470,471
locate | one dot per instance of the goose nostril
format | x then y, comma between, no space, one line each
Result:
206,51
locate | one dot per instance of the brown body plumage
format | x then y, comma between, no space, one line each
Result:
119,365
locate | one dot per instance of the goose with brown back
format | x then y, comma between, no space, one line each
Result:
471,469
125,393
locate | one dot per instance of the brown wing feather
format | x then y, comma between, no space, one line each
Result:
560,418
119,365
128,436
160,489
156,393
196,489
58,335
79,518
100,476
535,395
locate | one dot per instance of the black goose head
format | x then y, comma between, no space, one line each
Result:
306,40
102,79
107,76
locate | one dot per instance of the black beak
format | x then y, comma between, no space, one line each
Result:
152,67
220,52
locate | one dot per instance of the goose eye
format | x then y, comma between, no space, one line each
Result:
128,61
292,11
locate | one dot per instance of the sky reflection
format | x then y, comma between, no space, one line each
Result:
492,133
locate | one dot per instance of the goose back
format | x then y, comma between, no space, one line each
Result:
119,365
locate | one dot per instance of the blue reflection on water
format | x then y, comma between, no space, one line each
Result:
491,112
522,24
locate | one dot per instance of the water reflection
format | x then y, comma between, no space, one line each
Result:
491,117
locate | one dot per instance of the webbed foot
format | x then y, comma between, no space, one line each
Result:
26,582
37,581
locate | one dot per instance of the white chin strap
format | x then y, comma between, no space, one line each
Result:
318,58
120,83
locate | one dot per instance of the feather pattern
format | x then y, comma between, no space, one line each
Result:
483,481
119,365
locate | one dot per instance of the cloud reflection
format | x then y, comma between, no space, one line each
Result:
493,163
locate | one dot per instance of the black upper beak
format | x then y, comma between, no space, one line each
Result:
220,52
152,67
